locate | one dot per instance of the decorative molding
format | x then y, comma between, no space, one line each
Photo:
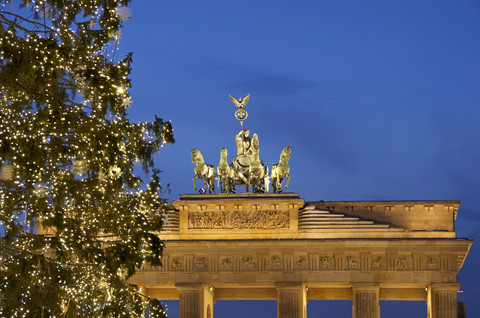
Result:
460,260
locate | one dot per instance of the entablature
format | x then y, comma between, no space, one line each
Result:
287,216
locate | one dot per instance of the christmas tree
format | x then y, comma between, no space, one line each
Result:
67,159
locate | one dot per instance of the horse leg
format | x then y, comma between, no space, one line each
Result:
266,184
248,184
260,188
222,184
245,179
288,181
274,176
253,184
264,180
212,179
261,181
205,183
211,187
226,187
194,185
279,183
231,185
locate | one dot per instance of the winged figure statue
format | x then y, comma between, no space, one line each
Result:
240,102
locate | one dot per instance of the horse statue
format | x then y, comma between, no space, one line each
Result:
257,172
203,171
281,170
226,174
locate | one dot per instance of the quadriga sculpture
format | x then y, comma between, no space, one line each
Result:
281,170
226,174
203,171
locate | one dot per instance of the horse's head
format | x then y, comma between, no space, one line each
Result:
286,152
255,152
194,153
223,154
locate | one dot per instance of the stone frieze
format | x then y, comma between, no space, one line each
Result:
306,262
261,220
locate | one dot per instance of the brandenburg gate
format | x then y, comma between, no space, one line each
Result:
276,246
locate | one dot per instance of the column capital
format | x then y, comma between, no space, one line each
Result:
290,286
194,286
444,287
365,287
188,286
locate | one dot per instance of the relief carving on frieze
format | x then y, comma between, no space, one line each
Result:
250,263
176,263
200,263
226,263
325,262
301,262
431,263
276,262
353,263
262,220
402,263
378,263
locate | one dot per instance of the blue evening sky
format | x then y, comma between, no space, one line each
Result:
378,99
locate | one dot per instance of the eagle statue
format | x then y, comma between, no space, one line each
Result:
240,102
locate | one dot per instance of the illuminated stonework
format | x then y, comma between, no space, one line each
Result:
279,247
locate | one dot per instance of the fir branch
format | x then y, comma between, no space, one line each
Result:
17,26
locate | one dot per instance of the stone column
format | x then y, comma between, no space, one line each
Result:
292,300
196,301
365,301
442,300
